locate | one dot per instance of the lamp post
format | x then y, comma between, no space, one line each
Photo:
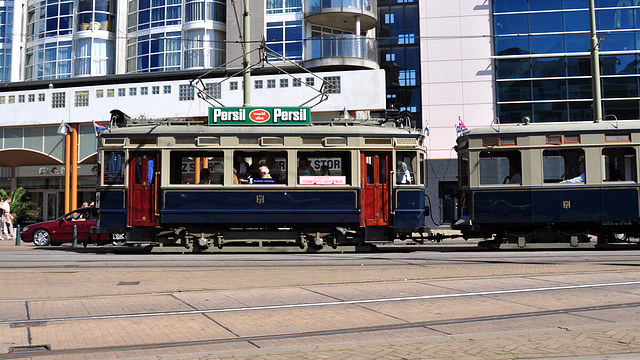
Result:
595,65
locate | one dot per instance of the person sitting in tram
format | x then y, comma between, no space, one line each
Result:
578,179
264,172
324,170
305,169
204,176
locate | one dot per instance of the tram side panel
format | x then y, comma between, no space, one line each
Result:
113,210
565,207
253,207
410,211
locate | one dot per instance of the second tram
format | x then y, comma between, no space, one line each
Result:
549,185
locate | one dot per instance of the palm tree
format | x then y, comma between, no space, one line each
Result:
20,203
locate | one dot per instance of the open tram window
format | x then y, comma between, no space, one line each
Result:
201,167
619,164
324,168
563,166
113,168
406,165
260,167
500,167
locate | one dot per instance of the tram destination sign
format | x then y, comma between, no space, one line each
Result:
259,116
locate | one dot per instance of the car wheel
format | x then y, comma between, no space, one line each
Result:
119,239
41,237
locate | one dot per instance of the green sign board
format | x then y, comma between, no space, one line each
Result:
260,116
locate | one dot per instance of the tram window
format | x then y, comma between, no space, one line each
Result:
563,166
183,166
619,164
324,168
500,167
145,169
247,167
406,163
114,171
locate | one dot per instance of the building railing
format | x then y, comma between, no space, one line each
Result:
355,6
341,46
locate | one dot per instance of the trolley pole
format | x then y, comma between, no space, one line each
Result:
595,65
246,79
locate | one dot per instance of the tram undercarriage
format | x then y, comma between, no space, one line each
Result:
180,240
560,238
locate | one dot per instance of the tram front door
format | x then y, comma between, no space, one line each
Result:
374,179
143,191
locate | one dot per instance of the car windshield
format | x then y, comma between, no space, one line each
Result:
79,215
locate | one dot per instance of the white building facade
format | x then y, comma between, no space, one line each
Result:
74,61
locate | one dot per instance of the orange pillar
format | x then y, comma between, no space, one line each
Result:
197,170
74,166
67,172
205,162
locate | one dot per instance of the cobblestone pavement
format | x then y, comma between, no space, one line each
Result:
600,330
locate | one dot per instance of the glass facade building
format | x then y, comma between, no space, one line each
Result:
399,47
6,30
169,35
542,59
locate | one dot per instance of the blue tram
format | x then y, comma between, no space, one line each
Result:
196,186
559,185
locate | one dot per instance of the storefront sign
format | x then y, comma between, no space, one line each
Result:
260,116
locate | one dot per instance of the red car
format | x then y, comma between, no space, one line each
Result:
61,230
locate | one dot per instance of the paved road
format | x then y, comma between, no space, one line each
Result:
430,303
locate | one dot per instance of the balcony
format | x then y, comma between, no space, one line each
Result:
342,14
343,49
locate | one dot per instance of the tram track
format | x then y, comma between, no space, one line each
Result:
44,351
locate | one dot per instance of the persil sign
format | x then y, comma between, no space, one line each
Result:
260,116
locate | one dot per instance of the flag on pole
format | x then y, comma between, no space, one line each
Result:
98,127
461,126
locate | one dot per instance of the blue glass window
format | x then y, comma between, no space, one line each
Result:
543,5
143,4
580,110
619,87
548,67
509,5
549,89
66,8
579,66
576,21
293,30
622,109
545,22
174,12
577,43
545,44
512,45
511,24
579,89
143,17
514,90
274,31
513,113
575,4
618,41
550,112
513,68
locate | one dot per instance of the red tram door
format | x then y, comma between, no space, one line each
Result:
143,188
374,178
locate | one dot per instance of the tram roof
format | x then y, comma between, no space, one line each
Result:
354,129
574,127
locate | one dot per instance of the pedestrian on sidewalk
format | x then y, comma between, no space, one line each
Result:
7,219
